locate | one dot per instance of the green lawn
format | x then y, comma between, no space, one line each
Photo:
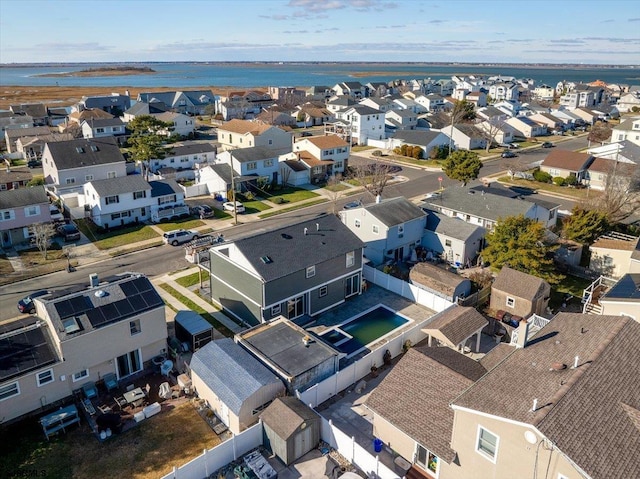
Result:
292,195
221,214
255,206
116,238
185,224
292,208
361,148
338,187
569,285
192,279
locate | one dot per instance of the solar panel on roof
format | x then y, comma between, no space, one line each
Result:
110,312
64,308
124,307
129,288
152,299
96,318
142,284
138,303
80,304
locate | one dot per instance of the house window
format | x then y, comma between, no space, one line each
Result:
45,377
3,187
134,327
88,178
323,291
487,444
356,223
167,199
139,194
99,130
32,211
6,215
271,142
400,231
129,363
447,242
111,174
70,181
311,271
109,200
511,302
275,310
351,259
268,162
252,165
80,375
9,390
337,165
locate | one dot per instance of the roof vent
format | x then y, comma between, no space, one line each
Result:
100,293
266,259
317,226
558,366
305,231
286,236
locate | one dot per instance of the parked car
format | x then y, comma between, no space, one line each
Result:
306,133
202,211
34,163
26,304
508,154
56,216
177,237
229,205
547,144
69,232
352,204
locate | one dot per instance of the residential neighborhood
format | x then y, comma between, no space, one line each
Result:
420,278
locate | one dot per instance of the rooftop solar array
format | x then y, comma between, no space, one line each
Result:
73,306
23,347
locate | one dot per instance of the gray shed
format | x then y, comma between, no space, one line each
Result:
193,329
291,428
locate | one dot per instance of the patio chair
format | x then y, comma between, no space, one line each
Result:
165,391
90,390
110,381
120,401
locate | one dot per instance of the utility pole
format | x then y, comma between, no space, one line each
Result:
233,191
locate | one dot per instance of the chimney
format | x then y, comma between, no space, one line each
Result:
317,226
523,332
305,231
93,280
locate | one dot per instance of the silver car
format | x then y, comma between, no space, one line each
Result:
177,237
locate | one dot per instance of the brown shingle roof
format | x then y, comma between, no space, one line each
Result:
435,278
617,242
567,160
327,141
243,127
605,165
311,161
516,283
456,324
90,114
286,414
407,398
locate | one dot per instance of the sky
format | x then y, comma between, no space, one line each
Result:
505,31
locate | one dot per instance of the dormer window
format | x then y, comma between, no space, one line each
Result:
79,149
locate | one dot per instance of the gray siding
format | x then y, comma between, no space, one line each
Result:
236,277
335,294
232,301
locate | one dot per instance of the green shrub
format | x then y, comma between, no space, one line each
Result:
542,176
278,200
376,153
570,180
559,180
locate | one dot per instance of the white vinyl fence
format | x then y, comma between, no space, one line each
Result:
354,453
404,289
219,456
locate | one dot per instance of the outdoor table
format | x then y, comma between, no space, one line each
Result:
135,396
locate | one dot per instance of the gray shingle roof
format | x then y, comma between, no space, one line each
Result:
20,197
407,398
457,324
455,228
231,372
255,153
436,278
66,155
491,207
104,122
589,412
119,186
164,187
191,149
286,414
142,108
291,250
395,211
16,133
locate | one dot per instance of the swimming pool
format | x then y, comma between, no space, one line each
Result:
355,334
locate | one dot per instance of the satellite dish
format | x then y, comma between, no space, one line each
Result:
530,437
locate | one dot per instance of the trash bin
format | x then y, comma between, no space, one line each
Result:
377,445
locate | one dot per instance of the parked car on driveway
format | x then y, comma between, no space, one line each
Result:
202,211
69,232
547,144
176,237
26,305
508,154
229,205
34,163
56,216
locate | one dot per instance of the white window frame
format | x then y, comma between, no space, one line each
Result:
483,453
323,291
33,210
350,259
70,181
268,163
311,271
276,309
111,174
5,391
88,178
43,381
375,229
80,375
356,223
511,302
135,326
252,165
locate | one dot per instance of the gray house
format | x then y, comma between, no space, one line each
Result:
455,240
391,228
301,269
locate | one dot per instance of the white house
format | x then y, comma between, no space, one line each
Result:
401,119
503,91
432,102
182,125
326,148
466,137
257,161
628,130
185,156
379,103
353,89
629,101
526,127
247,134
101,128
365,123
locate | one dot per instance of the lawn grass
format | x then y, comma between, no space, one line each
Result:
185,224
5,265
33,257
148,451
293,195
292,208
195,307
337,188
550,187
572,285
116,238
357,148
255,206
192,279
221,214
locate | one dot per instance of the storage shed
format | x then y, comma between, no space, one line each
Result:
193,329
291,428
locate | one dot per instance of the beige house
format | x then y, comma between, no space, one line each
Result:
246,134
619,298
518,293
236,386
611,254
78,337
565,163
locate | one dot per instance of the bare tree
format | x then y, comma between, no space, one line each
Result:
490,129
334,193
373,177
42,234
621,195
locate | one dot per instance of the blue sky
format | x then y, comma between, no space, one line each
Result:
565,31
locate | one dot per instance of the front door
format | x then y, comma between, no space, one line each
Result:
352,285
398,254
295,307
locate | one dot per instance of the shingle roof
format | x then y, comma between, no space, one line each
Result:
102,122
118,186
286,414
19,197
191,149
254,153
395,211
587,412
407,398
66,154
244,126
14,175
218,361
326,141
567,160
90,113
164,187
12,133
291,250
456,324
416,137
517,283
455,228
363,110
142,108
436,278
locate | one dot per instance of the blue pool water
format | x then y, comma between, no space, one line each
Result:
356,333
